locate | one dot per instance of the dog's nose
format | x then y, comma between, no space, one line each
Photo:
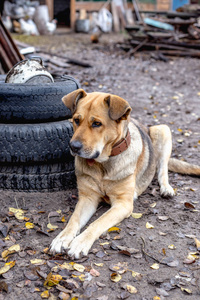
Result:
75,146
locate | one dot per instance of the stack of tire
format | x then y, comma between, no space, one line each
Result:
34,136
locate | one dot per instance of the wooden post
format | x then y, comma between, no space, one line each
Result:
50,4
72,14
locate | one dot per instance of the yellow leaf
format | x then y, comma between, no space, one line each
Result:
74,298
51,226
63,219
67,266
45,295
172,247
37,261
156,298
78,267
197,242
186,290
29,225
19,213
155,266
131,289
149,226
136,215
98,265
152,205
106,243
81,277
115,277
7,267
180,130
11,250
114,229
54,279
135,274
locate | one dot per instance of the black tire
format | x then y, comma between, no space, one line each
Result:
24,103
29,143
38,177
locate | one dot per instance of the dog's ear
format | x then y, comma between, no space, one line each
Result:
119,109
71,99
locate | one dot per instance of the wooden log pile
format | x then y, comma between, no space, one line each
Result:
175,34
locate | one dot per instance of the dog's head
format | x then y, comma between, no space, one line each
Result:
99,120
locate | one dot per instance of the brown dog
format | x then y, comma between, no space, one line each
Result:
115,160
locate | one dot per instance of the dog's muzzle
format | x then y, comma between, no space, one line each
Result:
75,146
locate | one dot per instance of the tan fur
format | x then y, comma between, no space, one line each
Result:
100,120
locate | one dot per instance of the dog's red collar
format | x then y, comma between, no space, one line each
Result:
122,145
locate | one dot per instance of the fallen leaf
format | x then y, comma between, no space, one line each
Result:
29,225
131,289
136,215
63,219
44,295
149,226
94,273
189,205
152,205
37,261
187,291
53,280
63,296
114,229
7,267
11,250
197,242
78,267
155,266
81,277
19,213
172,247
115,277
163,218
98,264
51,226
156,298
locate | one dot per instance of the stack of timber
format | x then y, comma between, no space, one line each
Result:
172,34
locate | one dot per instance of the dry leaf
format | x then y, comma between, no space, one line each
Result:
187,291
114,229
131,289
53,280
19,213
44,295
163,218
68,266
152,205
115,277
51,226
172,247
189,205
98,264
63,219
94,273
149,226
197,242
78,267
29,225
37,261
155,266
11,250
7,267
136,215
156,298
81,277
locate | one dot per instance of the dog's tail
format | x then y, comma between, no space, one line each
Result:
183,167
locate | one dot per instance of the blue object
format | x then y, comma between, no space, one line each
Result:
178,3
158,24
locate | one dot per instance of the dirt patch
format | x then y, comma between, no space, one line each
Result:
159,93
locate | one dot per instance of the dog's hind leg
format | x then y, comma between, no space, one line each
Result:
162,143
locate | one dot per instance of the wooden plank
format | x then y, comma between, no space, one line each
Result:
116,24
91,6
50,4
72,14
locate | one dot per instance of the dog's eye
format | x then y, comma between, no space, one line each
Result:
77,121
96,124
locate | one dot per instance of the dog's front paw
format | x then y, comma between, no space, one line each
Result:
167,191
61,243
80,246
